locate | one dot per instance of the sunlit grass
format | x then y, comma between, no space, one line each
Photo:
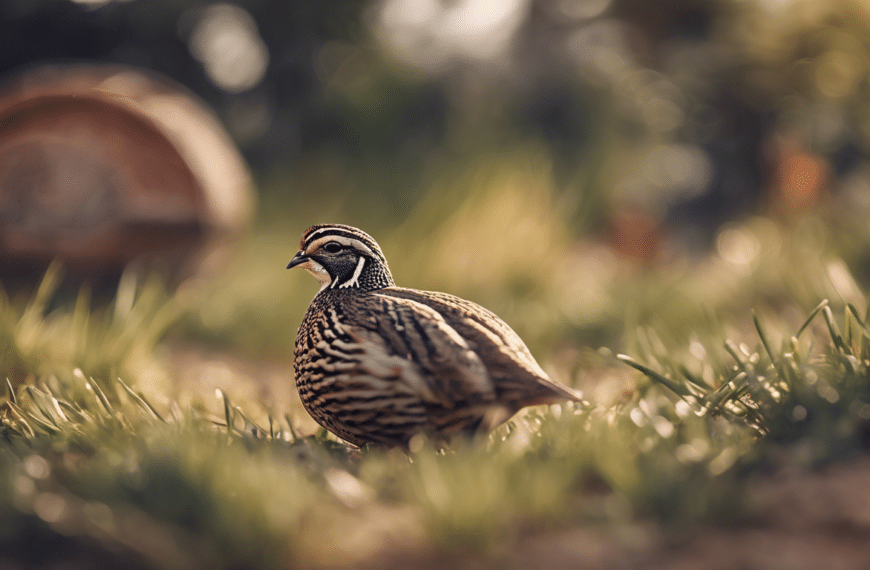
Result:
101,342
104,442
102,461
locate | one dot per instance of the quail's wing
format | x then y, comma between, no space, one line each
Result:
514,371
416,342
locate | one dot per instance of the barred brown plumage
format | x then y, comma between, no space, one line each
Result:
376,363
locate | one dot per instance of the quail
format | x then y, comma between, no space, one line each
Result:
378,364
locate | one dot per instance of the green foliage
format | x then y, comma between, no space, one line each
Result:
101,342
93,449
110,457
811,391
100,462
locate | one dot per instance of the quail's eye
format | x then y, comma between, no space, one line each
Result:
332,247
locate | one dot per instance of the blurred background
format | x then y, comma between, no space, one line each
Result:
662,179
578,166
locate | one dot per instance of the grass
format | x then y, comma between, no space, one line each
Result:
106,457
96,461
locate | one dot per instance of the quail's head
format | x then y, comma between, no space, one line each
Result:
342,258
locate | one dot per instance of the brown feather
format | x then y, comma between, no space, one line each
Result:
376,363
516,375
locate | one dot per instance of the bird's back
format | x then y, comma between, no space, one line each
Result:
383,365
516,376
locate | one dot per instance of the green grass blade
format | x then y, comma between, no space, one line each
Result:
294,436
764,342
833,329
229,413
39,401
50,429
101,396
80,416
673,386
249,422
46,289
12,397
810,318
734,352
728,391
21,418
141,401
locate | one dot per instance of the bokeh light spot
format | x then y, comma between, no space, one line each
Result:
226,40
433,36
737,245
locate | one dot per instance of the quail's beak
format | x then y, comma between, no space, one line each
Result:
299,259
312,267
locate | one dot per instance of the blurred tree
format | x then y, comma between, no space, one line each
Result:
267,118
670,107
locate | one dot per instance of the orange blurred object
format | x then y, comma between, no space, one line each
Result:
635,233
103,166
799,178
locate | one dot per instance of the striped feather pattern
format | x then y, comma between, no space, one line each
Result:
379,363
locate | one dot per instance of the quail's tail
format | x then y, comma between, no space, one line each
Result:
548,392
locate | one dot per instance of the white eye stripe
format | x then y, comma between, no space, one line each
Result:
339,231
316,232
350,242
